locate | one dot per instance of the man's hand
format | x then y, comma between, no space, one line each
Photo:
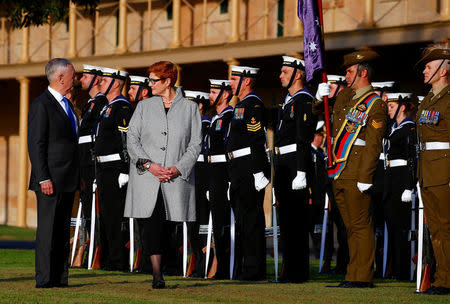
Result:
407,196
260,181
363,187
322,90
122,180
299,182
47,187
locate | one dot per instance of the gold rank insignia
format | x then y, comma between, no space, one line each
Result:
304,117
253,126
377,124
122,129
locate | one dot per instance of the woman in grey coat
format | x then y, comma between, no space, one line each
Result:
163,140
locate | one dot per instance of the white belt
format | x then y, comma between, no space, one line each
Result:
85,139
286,149
239,153
220,158
108,158
382,157
397,163
201,158
436,145
359,142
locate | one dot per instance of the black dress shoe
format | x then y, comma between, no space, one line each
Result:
158,284
437,290
61,285
46,285
343,284
363,285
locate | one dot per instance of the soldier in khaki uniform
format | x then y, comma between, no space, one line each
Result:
359,121
433,119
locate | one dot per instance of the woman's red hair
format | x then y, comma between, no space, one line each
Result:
165,69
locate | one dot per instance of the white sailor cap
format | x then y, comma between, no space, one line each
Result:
320,125
383,85
219,84
114,73
392,97
245,71
196,95
92,69
294,62
336,79
139,80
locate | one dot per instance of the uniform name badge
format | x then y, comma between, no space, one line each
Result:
239,113
429,117
219,125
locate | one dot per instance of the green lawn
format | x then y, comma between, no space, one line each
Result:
11,233
17,286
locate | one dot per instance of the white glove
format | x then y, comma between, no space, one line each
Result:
407,196
363,186
207,195
322,90
299,181
123,180
260,181
228,191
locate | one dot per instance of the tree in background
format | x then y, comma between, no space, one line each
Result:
24,13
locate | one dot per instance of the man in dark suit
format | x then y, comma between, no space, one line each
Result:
52,146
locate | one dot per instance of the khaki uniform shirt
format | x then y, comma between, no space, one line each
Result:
362,160
434,165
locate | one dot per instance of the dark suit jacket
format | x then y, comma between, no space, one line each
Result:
52,145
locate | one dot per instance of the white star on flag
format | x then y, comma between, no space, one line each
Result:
312,46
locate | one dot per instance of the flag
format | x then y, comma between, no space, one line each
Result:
312,36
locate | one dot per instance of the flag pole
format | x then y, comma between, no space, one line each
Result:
325,98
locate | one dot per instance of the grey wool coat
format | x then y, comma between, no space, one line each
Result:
168,140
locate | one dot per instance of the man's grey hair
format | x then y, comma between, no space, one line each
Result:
55,66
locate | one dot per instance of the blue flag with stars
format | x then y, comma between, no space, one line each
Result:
312,36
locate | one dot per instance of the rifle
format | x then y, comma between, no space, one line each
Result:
93,219
75,237
131,222
324,231
270,157
420,237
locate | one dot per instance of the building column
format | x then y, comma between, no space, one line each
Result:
23,152
72,51
122,45
368,14
297,29
179,69
204,21
25,54
266,19
176,24
445,9
234,17
230,62
149,23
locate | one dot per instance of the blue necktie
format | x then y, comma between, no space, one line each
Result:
71,116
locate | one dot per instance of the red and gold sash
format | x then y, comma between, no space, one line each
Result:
355,119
